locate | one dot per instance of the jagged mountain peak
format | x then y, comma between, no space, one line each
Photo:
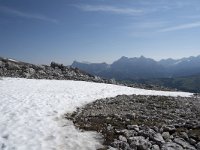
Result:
143,67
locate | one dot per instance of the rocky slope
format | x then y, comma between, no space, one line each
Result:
13,68
143,122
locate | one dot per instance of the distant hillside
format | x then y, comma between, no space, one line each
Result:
133,68
189,83
182,67
143,68
93,68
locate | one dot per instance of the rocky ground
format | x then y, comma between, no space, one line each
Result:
13,68
143,122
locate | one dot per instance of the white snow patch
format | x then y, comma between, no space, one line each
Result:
178,62
13,60
31,112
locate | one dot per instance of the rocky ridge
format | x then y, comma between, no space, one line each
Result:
143,122
143,68
13,68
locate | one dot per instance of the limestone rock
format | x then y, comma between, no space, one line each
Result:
184,144
171,146
139,142
165,135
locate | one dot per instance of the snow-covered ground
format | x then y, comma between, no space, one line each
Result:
31,112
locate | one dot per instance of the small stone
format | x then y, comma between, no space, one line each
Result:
183,143
100,107
170,128
139,142
111,148
109,127
129,133
192,141
158,138
124,146
155,147
171,137
115,144
5,136
117,116
1,64
26,75
2,146
131,115
147,132
166,135
41,72
120,145
31,71
133,127
122,138
108,118
171,146
184,135
198,146
155,128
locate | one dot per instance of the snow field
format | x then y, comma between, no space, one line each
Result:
31,112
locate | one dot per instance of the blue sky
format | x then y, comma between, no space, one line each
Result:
39,31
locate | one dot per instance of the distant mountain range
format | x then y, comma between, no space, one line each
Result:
143,68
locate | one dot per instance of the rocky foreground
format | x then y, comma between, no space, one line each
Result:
143,122
18,69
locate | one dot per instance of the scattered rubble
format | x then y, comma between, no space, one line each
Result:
143,122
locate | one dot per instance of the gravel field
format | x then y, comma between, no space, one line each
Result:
143,122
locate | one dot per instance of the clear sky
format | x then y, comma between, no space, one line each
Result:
39,31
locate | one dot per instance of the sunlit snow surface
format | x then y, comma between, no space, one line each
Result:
31,112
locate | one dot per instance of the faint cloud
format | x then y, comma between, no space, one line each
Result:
181,27
166,5
26,15
111,9
150,25
143,29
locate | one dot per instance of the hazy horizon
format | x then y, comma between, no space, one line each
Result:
97,30
85,61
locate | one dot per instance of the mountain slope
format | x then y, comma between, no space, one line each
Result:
182,67
129,68
143,68
93,68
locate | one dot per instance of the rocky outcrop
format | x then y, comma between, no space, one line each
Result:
13,68
143,122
